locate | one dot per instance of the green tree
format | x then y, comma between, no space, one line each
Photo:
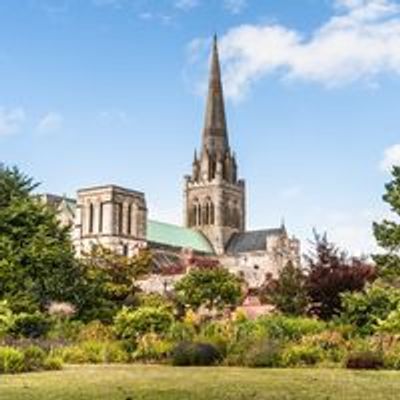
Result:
111,280
366,309
209,287
387,234
287,292
37,262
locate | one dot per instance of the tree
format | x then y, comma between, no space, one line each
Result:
209,287
387,234
287,292
111,279
37,263
332,272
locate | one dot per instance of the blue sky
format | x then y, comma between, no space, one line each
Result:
111,91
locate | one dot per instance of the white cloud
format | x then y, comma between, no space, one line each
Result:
359,42
11,120
391,158
235,6
50,123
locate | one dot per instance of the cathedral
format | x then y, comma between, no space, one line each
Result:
214,213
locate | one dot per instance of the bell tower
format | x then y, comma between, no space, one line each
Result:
214,196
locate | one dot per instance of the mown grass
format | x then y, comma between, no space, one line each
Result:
134,382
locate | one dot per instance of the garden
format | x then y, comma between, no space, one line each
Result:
87,319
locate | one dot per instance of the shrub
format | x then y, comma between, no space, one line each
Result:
301,355
34,358
152,348
92,352
130,324
53,363
195,354
290,328
365,360
11,360
263,354
95,331
6,318
30,325
331,343
364,310
181,331
392,323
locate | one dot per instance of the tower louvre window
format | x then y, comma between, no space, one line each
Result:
91,218
120,219
101,207
129,225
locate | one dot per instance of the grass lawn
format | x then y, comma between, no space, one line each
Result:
134,382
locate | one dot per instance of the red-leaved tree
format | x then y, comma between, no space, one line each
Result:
332,272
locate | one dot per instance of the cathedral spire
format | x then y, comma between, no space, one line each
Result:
215,133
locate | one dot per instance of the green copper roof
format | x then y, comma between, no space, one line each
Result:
176,236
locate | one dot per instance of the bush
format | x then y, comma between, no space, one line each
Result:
301,355
30,325
152,348
331,343
11,361
130,324
95,331
365,360
195,354
290,328
6,318
365,309
92,352
181,331
34,358
263,354
53,363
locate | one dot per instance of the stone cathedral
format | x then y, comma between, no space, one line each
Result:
214,213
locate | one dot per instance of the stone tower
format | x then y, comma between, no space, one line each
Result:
110,216
214,197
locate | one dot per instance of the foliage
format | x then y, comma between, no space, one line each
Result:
195,354
392,323
365,360
387,233
11,361
301,355
131,324
111,280
265,353
209,287
366,309
152,347
332,344
52,363
94,352
290,328
30,325
330,273
37,262
6,318
95,331
287,292
34,358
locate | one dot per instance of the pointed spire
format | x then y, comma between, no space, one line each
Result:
215,134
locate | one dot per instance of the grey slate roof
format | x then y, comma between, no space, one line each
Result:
251,241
